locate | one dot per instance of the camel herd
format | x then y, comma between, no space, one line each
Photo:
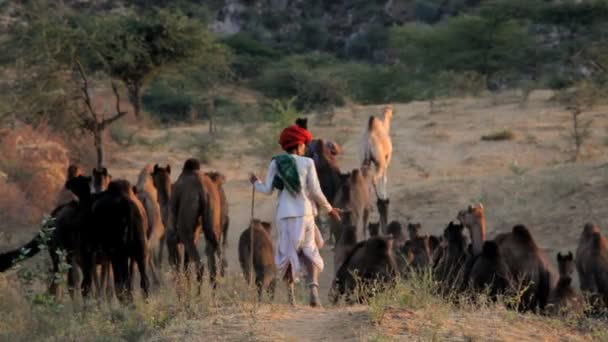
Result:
111,230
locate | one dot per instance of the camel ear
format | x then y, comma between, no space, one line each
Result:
104,171
168,168
156,168
559,256
570,256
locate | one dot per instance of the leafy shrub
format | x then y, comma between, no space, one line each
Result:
251,56
306,79
167,104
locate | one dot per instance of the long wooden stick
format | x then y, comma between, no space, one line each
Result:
251,227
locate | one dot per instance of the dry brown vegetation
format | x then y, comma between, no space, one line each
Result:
439,165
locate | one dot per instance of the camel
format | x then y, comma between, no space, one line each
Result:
376,153
488,271
195,206
147,194
564,300
264,267
416,249
592,263
373,229
118,234
526,265
323,153
66,235
101,179
369,265
66,196
449,264
353,196
161,176
219,180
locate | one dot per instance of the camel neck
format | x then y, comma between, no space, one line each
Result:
387,123
478,235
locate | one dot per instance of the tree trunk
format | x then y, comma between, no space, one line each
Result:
98,141
134,90
211,115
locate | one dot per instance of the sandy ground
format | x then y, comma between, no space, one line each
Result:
439,166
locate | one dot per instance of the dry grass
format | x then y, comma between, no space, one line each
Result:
34,161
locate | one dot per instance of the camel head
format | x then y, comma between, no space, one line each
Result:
453,233
413,230
590,228
471,216
565,263
474,219
121,186
302,123
161,177
191,164
101,179
80,186
373,228
217,177
73,171
387,112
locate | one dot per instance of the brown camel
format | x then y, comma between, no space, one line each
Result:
449,265
376,152
219,180
195,206
147,194
161,176
527,265
66,196
264,267
564,299
353,196
416,249
370,265
117,234
592,263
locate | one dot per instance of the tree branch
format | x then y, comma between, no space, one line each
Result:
119,113
85,90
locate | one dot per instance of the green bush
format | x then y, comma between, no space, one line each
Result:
305,78
167,104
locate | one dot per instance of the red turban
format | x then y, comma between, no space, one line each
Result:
293,136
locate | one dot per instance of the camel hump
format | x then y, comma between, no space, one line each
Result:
490,249
522,233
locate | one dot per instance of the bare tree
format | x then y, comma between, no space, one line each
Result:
91,120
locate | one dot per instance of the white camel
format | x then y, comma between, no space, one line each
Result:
377,150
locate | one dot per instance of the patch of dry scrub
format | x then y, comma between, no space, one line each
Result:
33,163
412,311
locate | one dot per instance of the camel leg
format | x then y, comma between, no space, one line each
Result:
193,255
120,265
142,261
159,255
211,251
88,270
54,287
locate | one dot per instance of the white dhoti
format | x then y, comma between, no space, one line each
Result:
298,237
